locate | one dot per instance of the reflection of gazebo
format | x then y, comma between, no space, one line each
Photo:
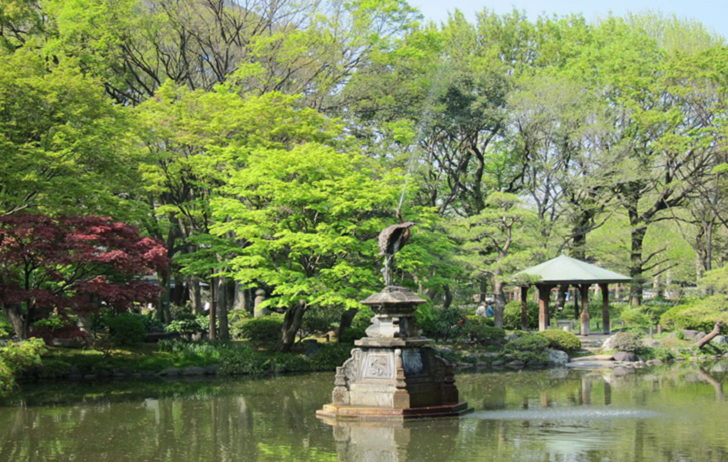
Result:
564,270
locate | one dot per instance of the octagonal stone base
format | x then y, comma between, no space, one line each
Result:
333,413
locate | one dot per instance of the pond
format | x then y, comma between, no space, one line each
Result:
671,414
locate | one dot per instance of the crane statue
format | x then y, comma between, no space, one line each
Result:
391,241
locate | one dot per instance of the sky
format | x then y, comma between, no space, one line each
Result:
712,13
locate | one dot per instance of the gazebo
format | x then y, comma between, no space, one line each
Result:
566,270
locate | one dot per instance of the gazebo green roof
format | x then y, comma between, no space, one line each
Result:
567,270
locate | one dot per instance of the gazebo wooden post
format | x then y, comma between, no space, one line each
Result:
584,289
544,293
524,309
605,307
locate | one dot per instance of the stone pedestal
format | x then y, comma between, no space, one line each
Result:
393,374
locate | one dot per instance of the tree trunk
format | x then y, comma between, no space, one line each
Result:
635,270
222,308
239,299
195,295
448,297
19,320
347,317
500,301
705,340
213,310
291,324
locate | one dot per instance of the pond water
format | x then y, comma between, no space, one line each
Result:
675,414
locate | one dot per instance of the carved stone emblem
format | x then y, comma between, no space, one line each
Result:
378,366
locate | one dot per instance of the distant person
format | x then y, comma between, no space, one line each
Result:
206,306
489,312
481,310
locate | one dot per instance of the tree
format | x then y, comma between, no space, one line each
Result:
63,144
498,241
310,216
72,265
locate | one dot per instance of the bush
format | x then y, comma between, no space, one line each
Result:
126,329
6,329
512,315
627,341
528,348
55,369
236,321
561,340
265,329
636,317
441,324
318,322
17,357
699,315
352,334
329,356
188,325
481,330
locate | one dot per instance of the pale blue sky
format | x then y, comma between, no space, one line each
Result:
713,14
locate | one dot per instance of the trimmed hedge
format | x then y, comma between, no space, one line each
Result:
561,340
699,315
528,348
482,331
265,329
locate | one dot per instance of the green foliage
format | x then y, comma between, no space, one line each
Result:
317,322
351,334
700,314
264,329
236,320
512,315
561,340
17,357
528,348
126,329
55,369
481,330
627,341
441,324
6,329
637,317
189,325
363,318
329,356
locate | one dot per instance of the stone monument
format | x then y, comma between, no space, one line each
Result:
393,374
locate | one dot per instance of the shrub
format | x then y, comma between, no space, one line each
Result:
627,341
636,317
152,324
126,329
318,322
236,321
363,318
265,329
352,334
189,325
329,356
561,340
528,348
6,329
240,360
700,315
17,357
512,315
481,330
55,369
441,324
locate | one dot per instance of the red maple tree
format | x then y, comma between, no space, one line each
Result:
73,265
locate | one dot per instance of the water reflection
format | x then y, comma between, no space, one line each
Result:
671,414
395,441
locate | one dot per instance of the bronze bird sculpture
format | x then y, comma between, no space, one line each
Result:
391,241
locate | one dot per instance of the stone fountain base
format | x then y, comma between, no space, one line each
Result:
393,375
